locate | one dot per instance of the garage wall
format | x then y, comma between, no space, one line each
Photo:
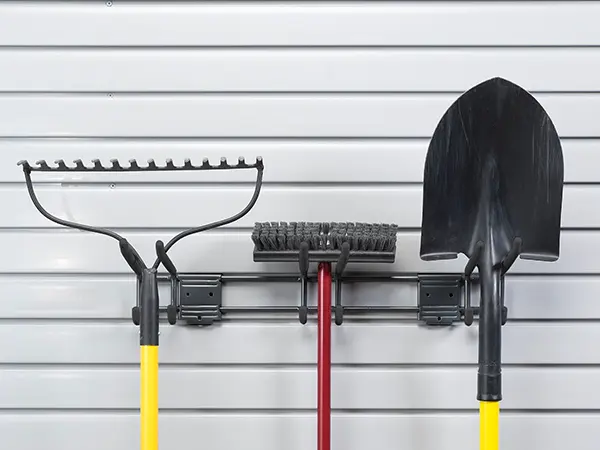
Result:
340,100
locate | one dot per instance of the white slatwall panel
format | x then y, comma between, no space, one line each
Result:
295,69
253,343
390,161
297,431
281,23
259,115
270,389
108,207
340,99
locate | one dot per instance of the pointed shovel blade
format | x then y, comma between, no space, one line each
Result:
493,173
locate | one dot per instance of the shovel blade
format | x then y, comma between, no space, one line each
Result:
493,173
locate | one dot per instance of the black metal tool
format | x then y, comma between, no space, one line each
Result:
146,312
493,184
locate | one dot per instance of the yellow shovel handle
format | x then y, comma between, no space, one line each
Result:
149,397
488,425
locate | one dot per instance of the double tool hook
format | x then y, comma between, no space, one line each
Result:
303,263
507,262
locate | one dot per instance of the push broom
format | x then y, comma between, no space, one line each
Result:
492,190
146,312
325,243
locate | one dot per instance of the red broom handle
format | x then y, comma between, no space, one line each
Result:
324,359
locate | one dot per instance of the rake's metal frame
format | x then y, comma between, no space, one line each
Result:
146,311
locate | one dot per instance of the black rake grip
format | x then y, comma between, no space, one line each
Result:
129,253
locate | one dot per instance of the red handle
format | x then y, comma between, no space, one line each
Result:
324,359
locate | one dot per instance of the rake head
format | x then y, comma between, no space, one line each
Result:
131,256
97,166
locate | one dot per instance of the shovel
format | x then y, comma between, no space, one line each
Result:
493,184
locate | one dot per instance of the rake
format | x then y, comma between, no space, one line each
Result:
146,312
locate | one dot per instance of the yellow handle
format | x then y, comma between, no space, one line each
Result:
149,397
488,425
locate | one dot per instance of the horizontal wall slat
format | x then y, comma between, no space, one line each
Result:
161,207
296,389
286,161
293,343
312,70
80,297
406,23
551,431
256,115
221,251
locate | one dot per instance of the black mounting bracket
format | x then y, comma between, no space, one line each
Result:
439,299
444,299
197,298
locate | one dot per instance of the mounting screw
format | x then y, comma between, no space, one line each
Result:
109,3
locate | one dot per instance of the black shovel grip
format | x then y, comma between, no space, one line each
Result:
489,374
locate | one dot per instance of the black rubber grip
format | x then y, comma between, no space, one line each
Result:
489,385
131,256
149,309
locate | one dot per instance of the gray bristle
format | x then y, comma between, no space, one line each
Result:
277,236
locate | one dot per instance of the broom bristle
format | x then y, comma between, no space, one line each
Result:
281,236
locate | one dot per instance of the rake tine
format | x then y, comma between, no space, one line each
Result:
61,164
133,165
43,164
97,165
25,165
152,165
170,164
79,164
206,163
223,164
115,164
188,164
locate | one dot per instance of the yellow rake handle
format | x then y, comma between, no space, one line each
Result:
149,397
488,425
